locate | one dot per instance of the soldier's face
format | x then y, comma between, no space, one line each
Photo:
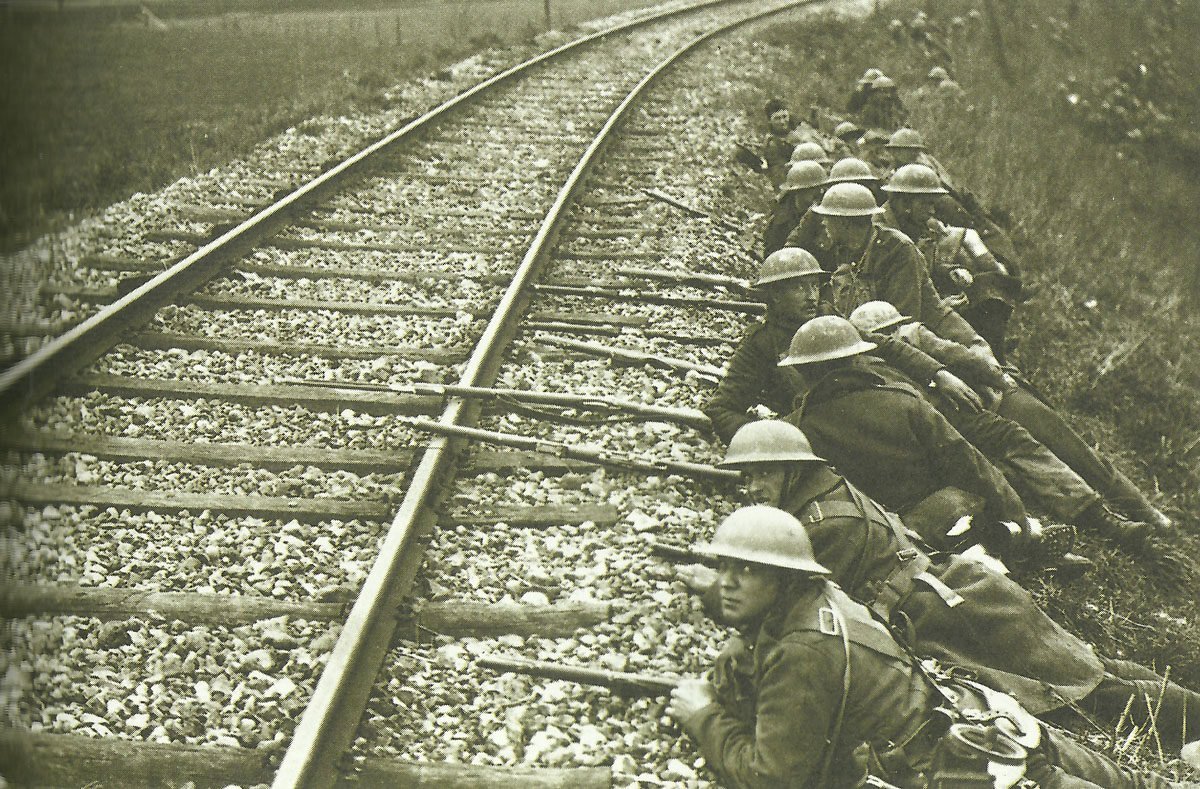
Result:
796,300
781,121
914,209
804,198
848,232
764,482
903,156
748,590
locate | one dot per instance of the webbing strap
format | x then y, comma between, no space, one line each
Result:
913,562
836,730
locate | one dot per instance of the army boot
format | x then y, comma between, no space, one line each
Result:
1098,519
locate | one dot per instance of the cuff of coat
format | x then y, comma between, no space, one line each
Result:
694,723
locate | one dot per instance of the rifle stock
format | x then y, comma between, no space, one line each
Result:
622,682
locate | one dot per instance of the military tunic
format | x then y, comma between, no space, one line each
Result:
1036,473
892,269
891,443
964,615
754,375
820,677
777,152
784,218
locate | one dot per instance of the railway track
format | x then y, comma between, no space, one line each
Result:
210,510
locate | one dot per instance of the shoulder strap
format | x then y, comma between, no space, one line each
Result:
835,732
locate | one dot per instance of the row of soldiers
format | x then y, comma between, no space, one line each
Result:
880,429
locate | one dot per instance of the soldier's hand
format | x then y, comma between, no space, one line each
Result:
689,697
698,577
957,392
961,278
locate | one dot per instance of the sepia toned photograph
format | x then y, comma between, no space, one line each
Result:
575,394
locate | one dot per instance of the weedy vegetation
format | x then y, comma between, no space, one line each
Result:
1085,149
99,103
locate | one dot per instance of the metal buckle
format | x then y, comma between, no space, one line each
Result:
907,554
827,622
817,517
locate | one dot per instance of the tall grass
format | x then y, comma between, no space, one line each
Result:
94,106
1108,237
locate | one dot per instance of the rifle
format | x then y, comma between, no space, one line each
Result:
678,553
614,292
706,372
749,155
622,682
687,277
699,214
600,457
693,211
686,416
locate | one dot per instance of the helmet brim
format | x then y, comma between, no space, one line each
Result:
925,190
811,566
823,211
762,457
896,321
851,179
760,283
858,348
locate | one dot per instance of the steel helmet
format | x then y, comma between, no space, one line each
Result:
803,175
824,339
767,441
847,199
873,137
906,138
884,83
876,316
764,535
937,72
809,152
787,263
870,75
846,129
850,169
915,179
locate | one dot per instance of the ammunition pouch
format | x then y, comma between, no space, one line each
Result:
978,735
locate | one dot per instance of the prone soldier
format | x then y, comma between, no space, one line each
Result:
945,606
790,282
801,188
814,676
1010,395
883,434
960,264
959,207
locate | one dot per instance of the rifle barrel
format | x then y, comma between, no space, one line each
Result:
621,681
637,357
587,454
688,416
693,211
675,552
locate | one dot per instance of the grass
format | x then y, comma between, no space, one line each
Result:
1106,235
95,106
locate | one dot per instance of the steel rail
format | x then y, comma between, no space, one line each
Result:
36,375
327,726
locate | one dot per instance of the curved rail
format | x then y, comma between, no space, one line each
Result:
326,728
36,375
